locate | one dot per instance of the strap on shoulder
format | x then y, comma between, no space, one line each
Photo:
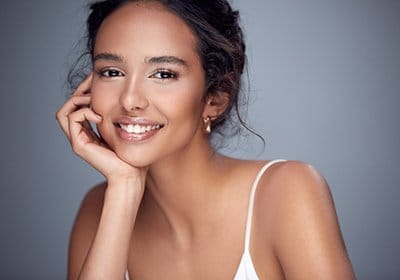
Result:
251,201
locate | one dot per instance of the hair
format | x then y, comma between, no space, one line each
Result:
220,44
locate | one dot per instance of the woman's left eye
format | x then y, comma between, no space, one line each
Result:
164,74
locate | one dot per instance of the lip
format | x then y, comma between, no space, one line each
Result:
133,137
136,120
136,137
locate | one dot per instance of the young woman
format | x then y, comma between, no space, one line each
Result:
166,75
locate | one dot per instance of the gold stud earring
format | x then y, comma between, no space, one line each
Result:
207,125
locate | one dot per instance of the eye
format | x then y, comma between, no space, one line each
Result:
111,73
164,74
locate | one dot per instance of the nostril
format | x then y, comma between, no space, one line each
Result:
134,100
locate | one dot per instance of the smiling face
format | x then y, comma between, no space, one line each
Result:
148,83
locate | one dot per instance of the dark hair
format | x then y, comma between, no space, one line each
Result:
220,45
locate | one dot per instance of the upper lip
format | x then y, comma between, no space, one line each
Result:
135,120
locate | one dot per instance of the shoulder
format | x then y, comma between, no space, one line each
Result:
90,209
299,196
294,171
94,198
84,228
295,206
296,181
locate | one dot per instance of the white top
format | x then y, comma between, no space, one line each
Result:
246,270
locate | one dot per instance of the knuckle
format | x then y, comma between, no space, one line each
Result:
86,112
59,116
76,96
76,148
70,116
59,112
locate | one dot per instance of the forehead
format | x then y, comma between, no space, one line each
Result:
145,29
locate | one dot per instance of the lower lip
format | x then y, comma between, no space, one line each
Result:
139,137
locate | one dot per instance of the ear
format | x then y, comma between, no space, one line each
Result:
216,104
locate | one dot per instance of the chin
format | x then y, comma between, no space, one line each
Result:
134,158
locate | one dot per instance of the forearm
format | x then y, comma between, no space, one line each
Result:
108,255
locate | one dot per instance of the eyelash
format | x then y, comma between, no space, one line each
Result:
111,73
172,75
103,73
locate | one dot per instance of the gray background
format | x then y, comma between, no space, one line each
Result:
325,83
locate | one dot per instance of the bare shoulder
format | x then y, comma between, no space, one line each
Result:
296,208
91,206
296,182
84,228
295,191
297,178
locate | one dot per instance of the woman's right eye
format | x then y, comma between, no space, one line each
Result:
111,73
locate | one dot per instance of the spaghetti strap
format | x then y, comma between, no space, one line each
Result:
251,202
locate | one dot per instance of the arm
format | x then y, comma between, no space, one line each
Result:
84,229
100,241
308,241
99,244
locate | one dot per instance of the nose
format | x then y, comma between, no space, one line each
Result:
133,97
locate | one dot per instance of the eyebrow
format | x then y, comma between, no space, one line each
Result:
166,59
109,57
149,60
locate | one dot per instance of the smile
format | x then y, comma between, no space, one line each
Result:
138,129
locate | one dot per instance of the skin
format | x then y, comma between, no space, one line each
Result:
165,210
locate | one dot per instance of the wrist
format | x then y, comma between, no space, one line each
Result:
125,181
126,186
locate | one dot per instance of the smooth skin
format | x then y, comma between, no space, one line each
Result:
171,207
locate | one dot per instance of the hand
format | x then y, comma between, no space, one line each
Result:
74,117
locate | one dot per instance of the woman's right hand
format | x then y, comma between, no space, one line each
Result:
74,117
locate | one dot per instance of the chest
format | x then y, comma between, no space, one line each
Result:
215,254
218,259
196,265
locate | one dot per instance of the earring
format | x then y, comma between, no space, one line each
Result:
207,125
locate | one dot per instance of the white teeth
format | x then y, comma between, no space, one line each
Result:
137,129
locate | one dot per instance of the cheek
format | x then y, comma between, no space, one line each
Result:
186,112
99,105
187,97
102,98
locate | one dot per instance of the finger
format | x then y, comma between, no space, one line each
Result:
73,104
84,87
103,142
79,98
90,130
76,120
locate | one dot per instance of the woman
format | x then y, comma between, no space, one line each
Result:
166,75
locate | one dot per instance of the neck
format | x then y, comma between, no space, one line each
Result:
182,191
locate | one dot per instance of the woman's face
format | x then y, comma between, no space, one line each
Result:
148,83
